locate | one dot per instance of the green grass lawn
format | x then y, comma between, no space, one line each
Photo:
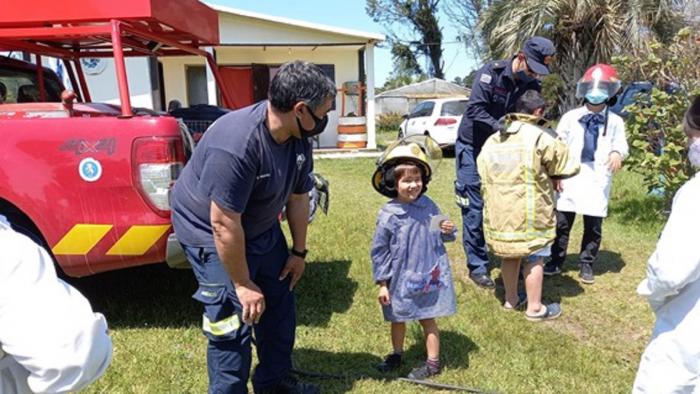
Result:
593,348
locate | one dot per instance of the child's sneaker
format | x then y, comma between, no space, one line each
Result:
551,270
390,363
423,372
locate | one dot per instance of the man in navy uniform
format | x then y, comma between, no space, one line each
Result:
496,88
248,166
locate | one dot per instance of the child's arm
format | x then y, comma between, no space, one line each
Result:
384,297
380,254
556,157
448,231
619,149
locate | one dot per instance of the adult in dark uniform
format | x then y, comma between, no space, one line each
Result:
225,205
496,88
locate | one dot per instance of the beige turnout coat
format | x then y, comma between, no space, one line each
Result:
516,168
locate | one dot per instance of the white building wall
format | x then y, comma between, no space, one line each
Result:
345,60
104,88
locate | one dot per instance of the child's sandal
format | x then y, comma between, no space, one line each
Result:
547,312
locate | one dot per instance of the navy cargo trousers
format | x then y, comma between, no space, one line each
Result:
229,348
468,196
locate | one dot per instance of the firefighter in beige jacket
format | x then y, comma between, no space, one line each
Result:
517,169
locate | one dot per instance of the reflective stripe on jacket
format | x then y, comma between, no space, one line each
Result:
516,169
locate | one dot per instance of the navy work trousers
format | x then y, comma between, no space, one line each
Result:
590,243
229,350
468,190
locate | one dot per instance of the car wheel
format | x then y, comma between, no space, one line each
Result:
401,134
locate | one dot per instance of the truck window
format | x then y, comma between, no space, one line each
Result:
22,87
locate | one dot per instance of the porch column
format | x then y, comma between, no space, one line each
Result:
371,124
212,98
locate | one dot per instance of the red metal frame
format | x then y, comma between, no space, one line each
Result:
97,28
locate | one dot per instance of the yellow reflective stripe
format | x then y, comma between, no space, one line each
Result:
519,235
137,240
221,327
81,238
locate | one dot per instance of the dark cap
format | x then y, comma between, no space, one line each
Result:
692,116
538,52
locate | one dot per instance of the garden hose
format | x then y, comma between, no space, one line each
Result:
427,383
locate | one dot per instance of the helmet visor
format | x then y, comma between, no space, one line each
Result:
608,87
428,146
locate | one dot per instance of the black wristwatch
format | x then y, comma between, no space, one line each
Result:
301,254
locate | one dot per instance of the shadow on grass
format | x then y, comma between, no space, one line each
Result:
158,296
553,288
324,290
607,261
644,210
341,370
147,296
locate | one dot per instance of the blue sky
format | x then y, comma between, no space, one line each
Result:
351,14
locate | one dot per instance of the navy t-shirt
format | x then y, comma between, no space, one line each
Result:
243,169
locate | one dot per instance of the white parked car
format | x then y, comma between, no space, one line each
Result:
438,118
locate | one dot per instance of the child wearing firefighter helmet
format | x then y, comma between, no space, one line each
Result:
517,168
409,260
597,137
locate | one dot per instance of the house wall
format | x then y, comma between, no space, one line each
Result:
104,88
345,60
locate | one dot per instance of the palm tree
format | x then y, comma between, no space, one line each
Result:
585,32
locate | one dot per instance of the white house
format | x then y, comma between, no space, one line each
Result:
252,47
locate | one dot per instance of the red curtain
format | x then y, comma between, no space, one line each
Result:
238,81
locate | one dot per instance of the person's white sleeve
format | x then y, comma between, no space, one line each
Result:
46,325
563,128
619,142
676,260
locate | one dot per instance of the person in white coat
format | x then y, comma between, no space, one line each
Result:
597,136
50,339
671,361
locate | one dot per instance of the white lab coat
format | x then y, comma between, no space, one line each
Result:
50,339
671,361
587,193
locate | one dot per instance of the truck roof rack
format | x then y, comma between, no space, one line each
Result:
98,28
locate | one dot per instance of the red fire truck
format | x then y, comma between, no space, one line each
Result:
91,181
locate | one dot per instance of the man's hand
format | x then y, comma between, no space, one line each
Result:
614,161
558,185
252,301
295,266
447,227
383,296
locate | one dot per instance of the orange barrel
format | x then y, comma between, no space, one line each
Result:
352,132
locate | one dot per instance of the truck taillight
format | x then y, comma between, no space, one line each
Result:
157,162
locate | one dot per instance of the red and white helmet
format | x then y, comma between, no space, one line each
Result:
599,84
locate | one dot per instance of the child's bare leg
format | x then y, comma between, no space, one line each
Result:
533,285
398,333
510,269
432,338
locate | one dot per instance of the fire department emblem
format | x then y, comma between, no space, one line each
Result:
300,161
90,169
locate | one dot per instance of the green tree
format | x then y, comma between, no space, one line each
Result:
585,32
465,15
424,36
654,125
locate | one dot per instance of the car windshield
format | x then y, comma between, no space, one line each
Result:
453,108
21,86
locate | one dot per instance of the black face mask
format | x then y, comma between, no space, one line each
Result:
523,77
319,125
